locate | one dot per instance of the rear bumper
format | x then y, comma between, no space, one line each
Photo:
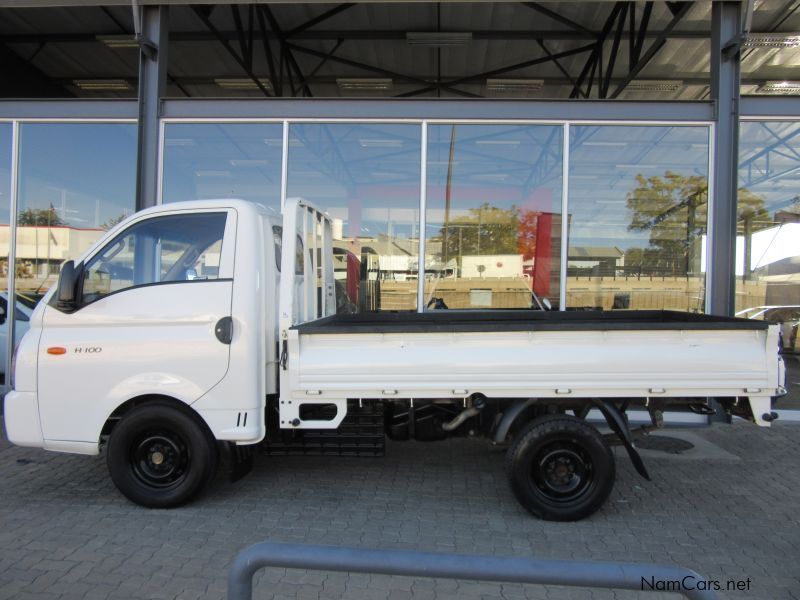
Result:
23,426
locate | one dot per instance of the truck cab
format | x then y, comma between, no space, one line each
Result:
177,305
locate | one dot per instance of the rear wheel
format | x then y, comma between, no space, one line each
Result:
560,468
159,456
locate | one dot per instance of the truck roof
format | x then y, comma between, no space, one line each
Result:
235,203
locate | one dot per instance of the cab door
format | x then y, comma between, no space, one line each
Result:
151,318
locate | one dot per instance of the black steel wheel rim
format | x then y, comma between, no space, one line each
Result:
562,472
160,459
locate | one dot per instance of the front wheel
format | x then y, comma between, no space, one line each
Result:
560,468
160,457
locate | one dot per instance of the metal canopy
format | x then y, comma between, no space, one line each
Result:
631,50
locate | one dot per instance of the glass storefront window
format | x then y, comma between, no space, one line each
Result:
493,222
76,180
367,177
223,160
638,207
768,235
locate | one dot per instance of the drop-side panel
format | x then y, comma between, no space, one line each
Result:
620,363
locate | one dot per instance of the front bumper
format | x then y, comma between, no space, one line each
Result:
23,426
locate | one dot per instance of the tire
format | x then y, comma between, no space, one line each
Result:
560,468
161,457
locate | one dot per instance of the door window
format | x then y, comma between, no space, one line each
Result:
166,249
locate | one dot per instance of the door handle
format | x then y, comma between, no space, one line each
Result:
224,330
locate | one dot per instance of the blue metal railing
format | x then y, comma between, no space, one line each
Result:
507,569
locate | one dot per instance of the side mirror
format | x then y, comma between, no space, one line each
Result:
65,294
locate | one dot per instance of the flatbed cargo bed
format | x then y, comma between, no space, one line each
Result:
444,321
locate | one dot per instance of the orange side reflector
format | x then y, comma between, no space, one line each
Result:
56,350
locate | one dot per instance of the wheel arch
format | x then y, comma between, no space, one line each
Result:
516,415
143,400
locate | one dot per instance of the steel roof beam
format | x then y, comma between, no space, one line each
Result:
556,61
203,15
318,19
275,78
380,71
291,62
612,59
702,79
597,51
638,43
245,38
679,10
334,34
522,65
559,18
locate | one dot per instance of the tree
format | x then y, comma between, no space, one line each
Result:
40,216
114,221
527,233
674,209
485,230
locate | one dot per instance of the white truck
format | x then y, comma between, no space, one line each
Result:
207,327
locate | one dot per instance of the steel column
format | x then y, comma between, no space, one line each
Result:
721,254
726,29
152,86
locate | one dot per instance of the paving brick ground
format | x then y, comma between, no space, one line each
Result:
66,533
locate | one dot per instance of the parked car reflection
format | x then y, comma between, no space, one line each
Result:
25,305
787,315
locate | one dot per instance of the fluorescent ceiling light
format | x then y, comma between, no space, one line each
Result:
118,41
654,85
96,85
590,143
363,83
212,173
514,85
490,177
377,143
780,87
243,84
180,142
772,40
498,142
293,142
438,38
246,162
